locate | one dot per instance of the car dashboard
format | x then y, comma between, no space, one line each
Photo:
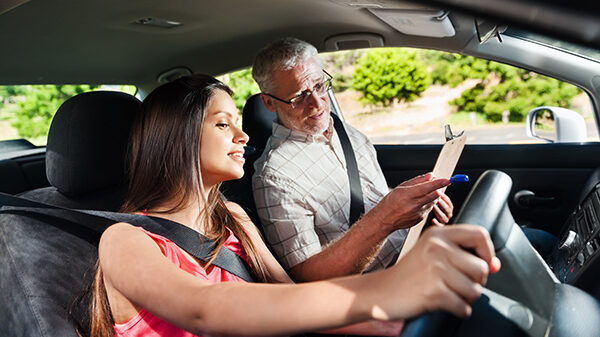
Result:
575,260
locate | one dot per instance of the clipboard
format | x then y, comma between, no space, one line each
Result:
444,167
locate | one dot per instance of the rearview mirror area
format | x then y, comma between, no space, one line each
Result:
555,125
486,30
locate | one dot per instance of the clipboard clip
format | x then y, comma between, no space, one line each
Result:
449,135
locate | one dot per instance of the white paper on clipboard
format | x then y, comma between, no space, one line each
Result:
444,167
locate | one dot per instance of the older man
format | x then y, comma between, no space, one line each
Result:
301,184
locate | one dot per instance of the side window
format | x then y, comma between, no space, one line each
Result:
26,111
242,84
406,96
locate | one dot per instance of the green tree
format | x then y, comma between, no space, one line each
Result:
340,65
452,69
387,75
37,104
242,84
517,92
502,89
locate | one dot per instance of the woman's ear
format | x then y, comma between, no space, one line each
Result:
268,102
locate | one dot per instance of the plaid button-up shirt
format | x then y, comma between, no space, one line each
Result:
302,193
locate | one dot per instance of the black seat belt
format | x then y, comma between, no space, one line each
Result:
97,221
357,206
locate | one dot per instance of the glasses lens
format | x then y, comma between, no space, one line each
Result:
320,89
300,101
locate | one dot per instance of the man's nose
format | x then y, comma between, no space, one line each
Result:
316,101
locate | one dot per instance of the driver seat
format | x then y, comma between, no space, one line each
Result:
45,265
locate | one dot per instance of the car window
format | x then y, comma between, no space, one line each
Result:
26,111
243,86
406,96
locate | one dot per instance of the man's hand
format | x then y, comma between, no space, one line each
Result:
442,210
410,202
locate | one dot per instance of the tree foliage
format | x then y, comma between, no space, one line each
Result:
384,75
340,65
517,92
37,104
502,89
453,69
242,84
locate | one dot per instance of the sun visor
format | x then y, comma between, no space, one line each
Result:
430,23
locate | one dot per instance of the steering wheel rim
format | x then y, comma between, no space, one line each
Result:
486,206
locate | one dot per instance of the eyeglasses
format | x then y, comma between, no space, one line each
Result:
320,89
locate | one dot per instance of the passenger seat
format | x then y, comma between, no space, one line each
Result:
43,267
257,122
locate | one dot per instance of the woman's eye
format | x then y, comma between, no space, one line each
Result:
223,125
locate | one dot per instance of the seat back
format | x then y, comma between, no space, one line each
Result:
257,122
45,265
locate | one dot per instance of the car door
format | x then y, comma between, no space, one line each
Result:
555,173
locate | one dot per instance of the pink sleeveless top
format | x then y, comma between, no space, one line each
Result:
145,323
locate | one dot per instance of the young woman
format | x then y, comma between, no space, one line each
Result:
184,144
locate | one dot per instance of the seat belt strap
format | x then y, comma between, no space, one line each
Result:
96,222
357,206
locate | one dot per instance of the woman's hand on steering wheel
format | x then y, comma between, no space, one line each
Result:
446,270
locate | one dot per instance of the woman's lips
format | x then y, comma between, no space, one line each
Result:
239,156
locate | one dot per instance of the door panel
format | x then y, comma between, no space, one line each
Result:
548,170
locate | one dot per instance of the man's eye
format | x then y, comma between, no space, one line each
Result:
303,95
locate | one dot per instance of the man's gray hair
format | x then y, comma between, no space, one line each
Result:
282,54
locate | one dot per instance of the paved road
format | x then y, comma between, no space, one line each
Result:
495,135
476,136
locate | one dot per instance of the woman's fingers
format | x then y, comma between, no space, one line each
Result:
449,277
473,237
457,306
454,303
463,273
470,265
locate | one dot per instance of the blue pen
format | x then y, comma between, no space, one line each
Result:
459,178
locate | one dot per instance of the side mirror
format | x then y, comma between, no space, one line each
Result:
555,125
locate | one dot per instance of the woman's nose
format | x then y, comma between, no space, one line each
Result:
241,137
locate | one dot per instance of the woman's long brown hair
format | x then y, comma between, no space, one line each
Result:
165,171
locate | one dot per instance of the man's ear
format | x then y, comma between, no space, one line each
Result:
268,102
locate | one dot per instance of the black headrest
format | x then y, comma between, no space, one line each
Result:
257,122
87,142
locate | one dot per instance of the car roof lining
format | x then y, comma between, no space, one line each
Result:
52,45
48,41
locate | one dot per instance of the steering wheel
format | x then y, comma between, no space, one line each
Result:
486,206
524,298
